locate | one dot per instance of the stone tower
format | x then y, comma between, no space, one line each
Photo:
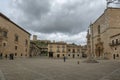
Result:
34,37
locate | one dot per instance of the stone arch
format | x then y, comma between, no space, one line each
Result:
99,49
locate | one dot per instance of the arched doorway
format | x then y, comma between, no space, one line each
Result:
99,50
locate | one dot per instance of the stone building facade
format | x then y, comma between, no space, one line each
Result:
74,51
13,39
84,51
57,49
38,47
35,50
99,37
61,49
115,45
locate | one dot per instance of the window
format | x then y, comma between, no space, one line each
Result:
69,50
117,55
68,54
78,55
26,42
4,44
73,50
4,33
15,54
112,41
98,29
63,55
16,38
115,48
21,54
116,41
16,47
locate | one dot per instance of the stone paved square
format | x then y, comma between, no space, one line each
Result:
56,69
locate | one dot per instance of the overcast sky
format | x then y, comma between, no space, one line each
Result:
60,20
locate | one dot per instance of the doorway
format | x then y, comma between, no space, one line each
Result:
50,54
113,56
58,55
99,50
73,55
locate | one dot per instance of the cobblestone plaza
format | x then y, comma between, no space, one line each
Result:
57,69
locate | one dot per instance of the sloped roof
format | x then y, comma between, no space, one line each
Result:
115,35
2,15
104,13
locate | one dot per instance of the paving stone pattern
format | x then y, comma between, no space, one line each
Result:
57,69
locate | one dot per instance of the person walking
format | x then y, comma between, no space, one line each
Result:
64,59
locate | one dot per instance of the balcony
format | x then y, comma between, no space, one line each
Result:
115,44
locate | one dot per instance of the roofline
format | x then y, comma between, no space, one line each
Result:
5,17
103,14
58,43
99,17
115,35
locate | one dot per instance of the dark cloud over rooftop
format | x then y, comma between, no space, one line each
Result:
65,20
64,16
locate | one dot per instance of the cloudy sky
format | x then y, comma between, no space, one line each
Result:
60,20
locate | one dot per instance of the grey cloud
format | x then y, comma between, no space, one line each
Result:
71,17
33,9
